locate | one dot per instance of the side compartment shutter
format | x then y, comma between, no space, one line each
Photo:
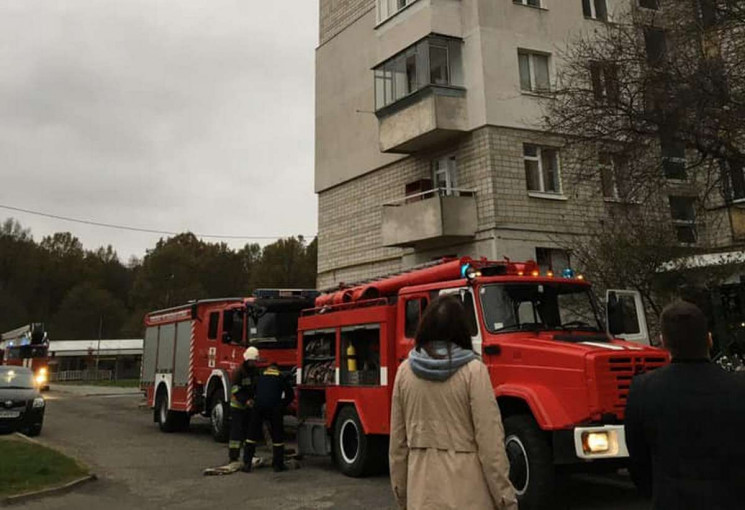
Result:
165,348
183,343
149,353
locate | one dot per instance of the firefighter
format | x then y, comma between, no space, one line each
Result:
273,393
243,382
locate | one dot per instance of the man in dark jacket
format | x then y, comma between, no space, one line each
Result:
685,422
273,393
242,383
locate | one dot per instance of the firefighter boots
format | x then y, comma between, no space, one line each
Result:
278,461
249,449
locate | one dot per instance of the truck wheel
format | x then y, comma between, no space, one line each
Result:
219,417
354,451
169,421
531,462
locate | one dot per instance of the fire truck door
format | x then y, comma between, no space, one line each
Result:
466,296
625,316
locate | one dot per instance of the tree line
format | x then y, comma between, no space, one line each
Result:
78,292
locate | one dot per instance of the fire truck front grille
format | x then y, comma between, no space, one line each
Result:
616,373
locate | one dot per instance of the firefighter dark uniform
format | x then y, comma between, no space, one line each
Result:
273,392
242,381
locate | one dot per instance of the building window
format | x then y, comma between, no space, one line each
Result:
656,45
733,180
552,259
445,175
614,176
387,8
531,3
432,61
542,169
673,158
683,212
604,78
534,71
649,4
595,9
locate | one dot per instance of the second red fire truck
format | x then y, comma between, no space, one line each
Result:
27,346
560,378
190,351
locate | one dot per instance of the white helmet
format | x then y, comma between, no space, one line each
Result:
251,354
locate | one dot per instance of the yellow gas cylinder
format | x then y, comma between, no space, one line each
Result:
351,358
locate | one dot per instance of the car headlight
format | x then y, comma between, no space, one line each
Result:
38,402
41,378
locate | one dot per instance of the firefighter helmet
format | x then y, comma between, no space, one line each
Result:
251,354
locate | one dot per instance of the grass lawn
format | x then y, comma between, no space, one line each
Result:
121,383
26,467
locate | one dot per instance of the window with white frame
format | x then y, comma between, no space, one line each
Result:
614,176
434,60
733,180
445,175
673,156
534,71
542,169
595,9
531,3
683,212
552,259
604,79
387,8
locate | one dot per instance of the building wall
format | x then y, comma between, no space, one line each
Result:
510,221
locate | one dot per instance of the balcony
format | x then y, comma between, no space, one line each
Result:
431,218
419,96
432,116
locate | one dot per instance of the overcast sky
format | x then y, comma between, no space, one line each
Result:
162,114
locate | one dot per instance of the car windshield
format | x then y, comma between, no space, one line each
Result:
533,306
12,377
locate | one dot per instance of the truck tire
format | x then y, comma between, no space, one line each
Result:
531,462
355,452
169,421
219,416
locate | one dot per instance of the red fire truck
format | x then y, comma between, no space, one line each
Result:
190,351
560,378
27,346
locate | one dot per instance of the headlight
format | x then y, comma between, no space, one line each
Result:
38,402
596,442
41,377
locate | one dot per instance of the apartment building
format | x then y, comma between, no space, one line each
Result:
428,140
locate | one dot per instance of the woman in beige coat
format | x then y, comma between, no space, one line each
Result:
447,441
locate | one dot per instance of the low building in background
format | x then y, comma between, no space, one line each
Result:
71,360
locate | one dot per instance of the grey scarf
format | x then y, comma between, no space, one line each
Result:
441,367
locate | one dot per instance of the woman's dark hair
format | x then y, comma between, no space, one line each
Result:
444,320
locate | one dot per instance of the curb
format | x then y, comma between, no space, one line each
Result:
49,491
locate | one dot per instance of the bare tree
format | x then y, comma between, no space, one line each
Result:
653,85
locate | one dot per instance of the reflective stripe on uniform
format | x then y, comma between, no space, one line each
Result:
234,444
249,441
278,444
237,405
235,389
271,371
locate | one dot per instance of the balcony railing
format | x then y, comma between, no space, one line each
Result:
430,218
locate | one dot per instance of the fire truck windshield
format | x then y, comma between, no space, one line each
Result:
24,352
274,330
533,306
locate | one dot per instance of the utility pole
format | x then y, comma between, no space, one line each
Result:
98,349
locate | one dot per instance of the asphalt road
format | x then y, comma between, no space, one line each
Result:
140,467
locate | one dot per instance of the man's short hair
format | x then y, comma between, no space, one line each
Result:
684,331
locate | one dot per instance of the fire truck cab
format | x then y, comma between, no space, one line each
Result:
27,346
191,350
559,377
